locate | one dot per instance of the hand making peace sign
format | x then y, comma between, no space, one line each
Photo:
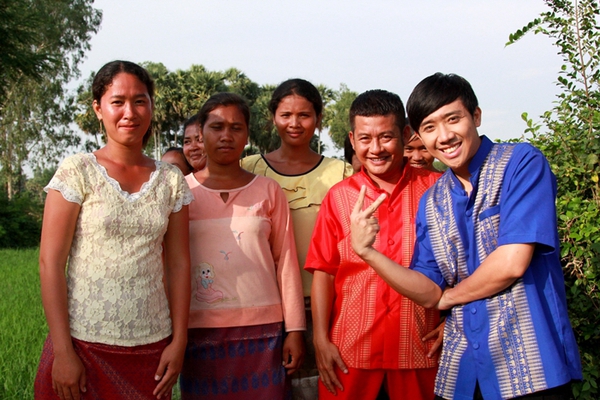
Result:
363,226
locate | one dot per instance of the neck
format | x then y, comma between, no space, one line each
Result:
300,153
124,155
219,176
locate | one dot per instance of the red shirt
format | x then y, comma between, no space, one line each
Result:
372,325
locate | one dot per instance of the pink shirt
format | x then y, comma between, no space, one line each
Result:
244,265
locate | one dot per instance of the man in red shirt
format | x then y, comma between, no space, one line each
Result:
365,333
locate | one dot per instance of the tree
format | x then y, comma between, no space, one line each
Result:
571,142
42,43
337,115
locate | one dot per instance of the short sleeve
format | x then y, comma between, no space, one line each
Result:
527,207
183,194
323,254
69,180
423,259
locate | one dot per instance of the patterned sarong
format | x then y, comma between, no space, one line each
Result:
112,372
234,363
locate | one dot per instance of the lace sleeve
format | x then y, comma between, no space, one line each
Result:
68,181
183,194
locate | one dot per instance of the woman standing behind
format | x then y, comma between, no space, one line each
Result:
246,277
113,332
304,175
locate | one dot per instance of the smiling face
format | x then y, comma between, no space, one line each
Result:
296,120
225,135
377,143
193,146
450,135
125,109
417,154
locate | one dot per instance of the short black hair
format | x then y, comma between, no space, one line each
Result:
378,103
223,100
436,91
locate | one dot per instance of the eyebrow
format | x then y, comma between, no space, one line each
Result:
449,113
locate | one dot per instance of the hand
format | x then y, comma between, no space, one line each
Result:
293,351
68,376
327,354
438,335
364,227
169,367
445,302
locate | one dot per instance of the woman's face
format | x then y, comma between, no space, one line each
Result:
125,109
296,120
193,147
225,135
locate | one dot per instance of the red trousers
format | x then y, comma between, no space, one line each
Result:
401,384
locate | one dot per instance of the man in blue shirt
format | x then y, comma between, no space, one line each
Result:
487,249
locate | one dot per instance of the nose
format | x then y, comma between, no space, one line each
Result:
294,120
375,146
445,133
417,155
128,110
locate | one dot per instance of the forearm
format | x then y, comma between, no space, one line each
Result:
411,284
54,301
179,300
500,270
321,304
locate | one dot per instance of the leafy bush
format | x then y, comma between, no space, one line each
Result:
571,142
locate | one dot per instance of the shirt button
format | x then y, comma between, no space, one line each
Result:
391,209
391,242
469,213
476,345
473,310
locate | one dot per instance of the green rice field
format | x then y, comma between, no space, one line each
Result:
22,324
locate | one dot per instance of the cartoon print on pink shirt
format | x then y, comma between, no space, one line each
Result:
225,254
205,277
238,236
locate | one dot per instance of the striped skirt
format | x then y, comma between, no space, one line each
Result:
234,363
112,372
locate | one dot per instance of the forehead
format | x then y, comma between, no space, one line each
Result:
295,101
231,114
375,125
456,107
172,157
126,83
191,130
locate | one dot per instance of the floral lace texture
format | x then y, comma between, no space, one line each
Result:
114,275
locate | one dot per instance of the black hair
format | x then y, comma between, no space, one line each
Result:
193,120
436,91
299,87
348,149
378,103
224,100
105,76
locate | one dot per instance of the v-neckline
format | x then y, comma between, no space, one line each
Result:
117,186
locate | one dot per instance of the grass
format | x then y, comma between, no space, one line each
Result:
22,324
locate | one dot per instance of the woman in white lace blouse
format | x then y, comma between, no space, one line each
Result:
114,334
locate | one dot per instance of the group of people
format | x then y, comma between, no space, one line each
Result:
234,275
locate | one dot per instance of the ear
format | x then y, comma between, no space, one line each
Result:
351,136
319,120
477,117
97,109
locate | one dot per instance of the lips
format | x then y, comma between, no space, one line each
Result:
450,149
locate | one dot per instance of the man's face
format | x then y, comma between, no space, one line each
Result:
417,154
377,142
450,135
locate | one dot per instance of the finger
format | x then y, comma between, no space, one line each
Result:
165,385
375,205
286,357
326,379
158,376
430,335
82,382
361,200
436,346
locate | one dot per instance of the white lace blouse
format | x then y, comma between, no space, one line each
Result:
114,275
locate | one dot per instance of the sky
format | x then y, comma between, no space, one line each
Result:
376,44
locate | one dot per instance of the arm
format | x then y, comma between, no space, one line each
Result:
412,284
58,227
500,269
177,255
327,354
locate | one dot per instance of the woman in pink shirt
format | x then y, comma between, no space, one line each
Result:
245,279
